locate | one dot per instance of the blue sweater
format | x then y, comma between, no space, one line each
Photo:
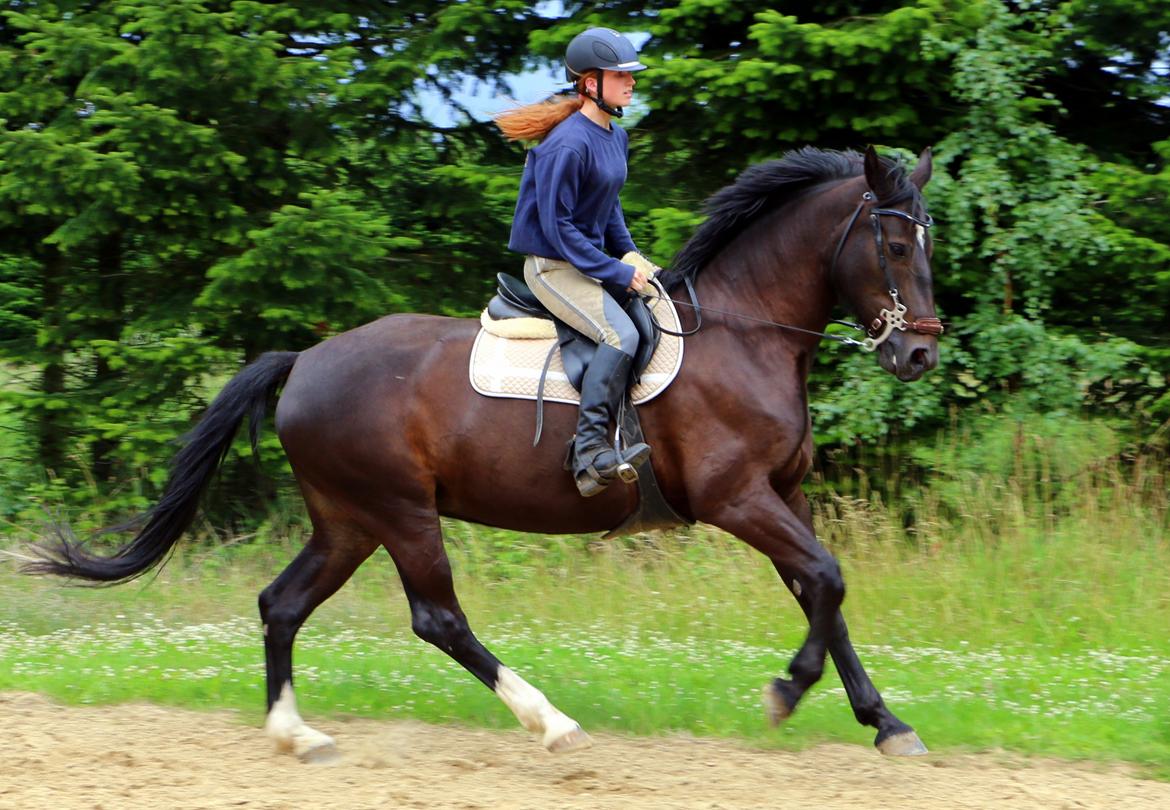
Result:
568,207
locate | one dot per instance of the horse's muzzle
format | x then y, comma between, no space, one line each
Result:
908,356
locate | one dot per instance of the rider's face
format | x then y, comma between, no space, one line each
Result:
617,87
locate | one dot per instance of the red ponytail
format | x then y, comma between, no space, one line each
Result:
533,122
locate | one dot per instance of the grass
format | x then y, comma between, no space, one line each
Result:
1005,619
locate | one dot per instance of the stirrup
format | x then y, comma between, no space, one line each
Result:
631,459
627,473
591,481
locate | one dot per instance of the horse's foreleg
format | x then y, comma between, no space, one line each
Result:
762,519
894,737
437,618
318,571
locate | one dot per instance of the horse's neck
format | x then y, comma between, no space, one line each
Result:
775,271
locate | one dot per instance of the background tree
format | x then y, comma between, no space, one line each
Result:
188,184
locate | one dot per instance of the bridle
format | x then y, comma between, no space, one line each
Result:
889,319
881,327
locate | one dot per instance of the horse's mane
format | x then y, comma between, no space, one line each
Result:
763,188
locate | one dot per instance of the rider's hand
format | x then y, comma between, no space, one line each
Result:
638,282
644,270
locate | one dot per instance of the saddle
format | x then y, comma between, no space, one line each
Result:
514,300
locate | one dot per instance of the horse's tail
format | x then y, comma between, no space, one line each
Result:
247,394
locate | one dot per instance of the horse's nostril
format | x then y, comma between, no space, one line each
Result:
919,358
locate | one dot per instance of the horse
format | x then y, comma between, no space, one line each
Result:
385,434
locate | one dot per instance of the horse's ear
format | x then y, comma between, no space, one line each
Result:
876,176
921,174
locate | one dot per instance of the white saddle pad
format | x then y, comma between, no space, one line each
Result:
510,367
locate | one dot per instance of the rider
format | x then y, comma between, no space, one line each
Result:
570,224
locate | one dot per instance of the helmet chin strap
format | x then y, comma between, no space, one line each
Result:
616,112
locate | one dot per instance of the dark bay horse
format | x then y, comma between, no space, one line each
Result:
385,434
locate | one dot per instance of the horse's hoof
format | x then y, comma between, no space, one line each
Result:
320,754
902,744
575,739
776,705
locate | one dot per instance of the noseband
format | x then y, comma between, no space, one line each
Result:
890,319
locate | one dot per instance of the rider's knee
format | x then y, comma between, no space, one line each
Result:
620,338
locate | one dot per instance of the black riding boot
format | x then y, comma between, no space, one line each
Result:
595,461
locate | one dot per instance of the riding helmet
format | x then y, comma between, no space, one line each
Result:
600,48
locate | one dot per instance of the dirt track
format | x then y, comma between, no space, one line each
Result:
151,757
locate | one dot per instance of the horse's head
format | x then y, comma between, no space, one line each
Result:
882,267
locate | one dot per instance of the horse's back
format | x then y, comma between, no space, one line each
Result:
386,414
382,363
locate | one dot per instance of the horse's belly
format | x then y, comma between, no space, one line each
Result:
501,480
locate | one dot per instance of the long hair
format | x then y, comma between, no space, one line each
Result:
533,122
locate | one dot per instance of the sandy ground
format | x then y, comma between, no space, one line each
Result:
139,756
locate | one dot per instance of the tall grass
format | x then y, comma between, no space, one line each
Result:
1024,609
1089,567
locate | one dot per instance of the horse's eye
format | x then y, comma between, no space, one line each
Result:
897,248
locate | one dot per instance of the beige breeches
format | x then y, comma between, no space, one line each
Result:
581,302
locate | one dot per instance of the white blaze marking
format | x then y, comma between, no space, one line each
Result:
921,233
532,708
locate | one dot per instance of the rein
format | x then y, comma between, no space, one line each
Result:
699,309
881,328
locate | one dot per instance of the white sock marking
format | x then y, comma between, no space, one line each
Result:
285,726
532,708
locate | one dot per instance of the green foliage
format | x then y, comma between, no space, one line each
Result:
1110,75
1049,459
732,85
189,184
1028,261
18,299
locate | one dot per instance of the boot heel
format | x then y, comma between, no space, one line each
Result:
588,486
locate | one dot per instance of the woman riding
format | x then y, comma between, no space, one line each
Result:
570,225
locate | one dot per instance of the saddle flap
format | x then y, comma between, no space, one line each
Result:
648,334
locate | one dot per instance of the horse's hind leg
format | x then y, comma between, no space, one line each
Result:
437,618
330,558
